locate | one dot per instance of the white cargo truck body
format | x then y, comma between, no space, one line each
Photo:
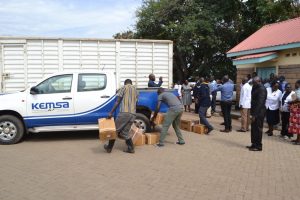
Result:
26,60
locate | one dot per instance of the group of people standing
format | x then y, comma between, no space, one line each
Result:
273,98
282,102
257,100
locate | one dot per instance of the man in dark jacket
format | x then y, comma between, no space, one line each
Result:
258,111
203,96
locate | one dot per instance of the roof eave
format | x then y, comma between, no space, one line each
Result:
255,60
264,49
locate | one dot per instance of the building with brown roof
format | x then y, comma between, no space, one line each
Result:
275,48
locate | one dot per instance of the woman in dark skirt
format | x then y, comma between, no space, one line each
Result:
272,105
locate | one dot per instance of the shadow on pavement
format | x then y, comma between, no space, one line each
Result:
61,136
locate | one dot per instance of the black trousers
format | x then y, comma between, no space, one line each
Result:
213,102
226,111
197,105
256,131
285,119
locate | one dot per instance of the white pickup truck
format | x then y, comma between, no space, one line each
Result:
66,102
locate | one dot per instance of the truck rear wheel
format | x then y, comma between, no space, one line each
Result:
142,122
11,129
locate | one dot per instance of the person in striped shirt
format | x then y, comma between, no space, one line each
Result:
126,98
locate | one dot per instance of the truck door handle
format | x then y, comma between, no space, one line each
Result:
105,96
67,98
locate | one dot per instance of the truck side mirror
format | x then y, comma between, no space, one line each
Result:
34,90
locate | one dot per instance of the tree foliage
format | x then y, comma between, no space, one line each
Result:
204,30
124,35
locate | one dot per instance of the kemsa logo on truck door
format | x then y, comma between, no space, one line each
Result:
50,106
52,97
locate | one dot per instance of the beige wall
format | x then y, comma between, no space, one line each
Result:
281,60
288,66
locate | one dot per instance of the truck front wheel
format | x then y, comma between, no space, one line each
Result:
142,122
11,129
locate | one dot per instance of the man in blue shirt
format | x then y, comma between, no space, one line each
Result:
226,102
152,83
203,96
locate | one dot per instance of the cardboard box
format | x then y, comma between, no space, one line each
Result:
152,138
141,140
200,129
138,138
159,119
107,129
187,125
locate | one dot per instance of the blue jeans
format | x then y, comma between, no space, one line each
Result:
202,115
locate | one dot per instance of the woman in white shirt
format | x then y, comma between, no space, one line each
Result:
272,105
285,100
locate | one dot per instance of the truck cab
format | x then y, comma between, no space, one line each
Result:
66,102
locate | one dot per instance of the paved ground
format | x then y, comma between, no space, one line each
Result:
74,166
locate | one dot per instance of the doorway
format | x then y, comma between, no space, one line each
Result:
264,72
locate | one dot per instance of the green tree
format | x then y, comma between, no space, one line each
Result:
124,35
204,30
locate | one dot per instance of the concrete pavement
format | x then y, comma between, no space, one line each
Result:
217,167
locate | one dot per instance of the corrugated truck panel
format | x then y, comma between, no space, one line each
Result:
28,60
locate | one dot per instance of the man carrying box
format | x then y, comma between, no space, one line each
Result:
172,117
127,97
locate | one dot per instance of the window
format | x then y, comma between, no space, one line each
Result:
91,82
56,84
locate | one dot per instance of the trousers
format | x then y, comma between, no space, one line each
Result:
172,117
226,111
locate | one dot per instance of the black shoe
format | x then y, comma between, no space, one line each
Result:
225,130
240,130
180,143
159,145
129,151
222,123
130,147
107,149
209,130
255,149
251,146
270,134
267,132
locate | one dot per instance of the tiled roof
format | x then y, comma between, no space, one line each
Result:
281,33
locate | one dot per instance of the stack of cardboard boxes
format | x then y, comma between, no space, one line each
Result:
192,126
107,131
